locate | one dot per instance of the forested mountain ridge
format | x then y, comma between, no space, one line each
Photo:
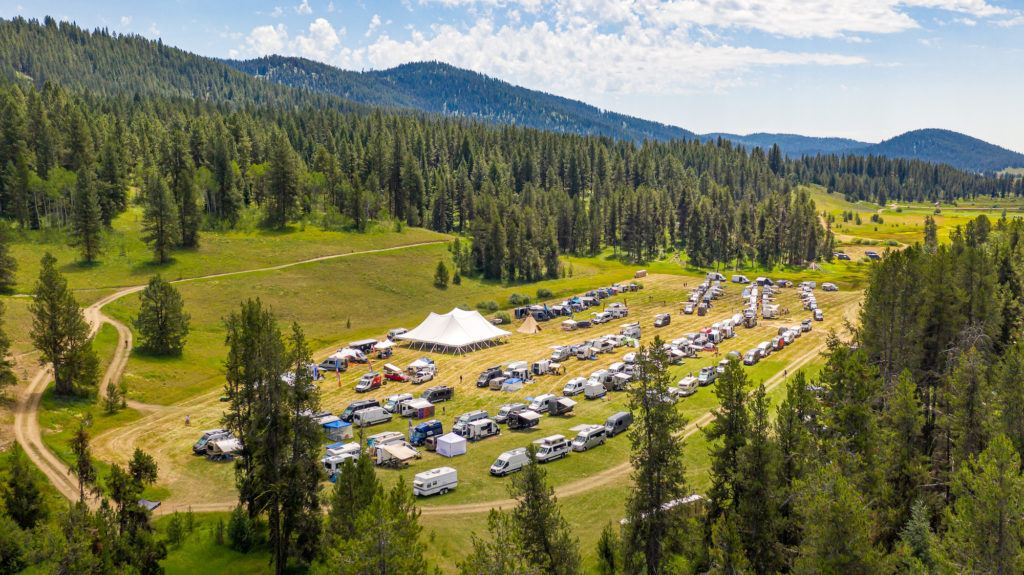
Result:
948,147
440,88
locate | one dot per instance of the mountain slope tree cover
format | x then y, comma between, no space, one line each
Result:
524,197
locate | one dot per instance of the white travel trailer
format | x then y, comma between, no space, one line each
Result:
435,482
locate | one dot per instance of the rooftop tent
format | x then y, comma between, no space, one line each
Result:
451,444
458,330
529,325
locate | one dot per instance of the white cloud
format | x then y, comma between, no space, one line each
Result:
153,30
321,41
374,25
126,21
319,44
330,6
583,59
303,8
789,18
277,12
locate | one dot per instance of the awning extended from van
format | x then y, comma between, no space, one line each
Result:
399,451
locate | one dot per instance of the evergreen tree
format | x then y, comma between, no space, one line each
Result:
905,463
162,322
931,235
87,220
919,550
387,539
546,541
970,416
796,449
83,467
353,491
836,527
728,556
757,495
283,181
8,264
441,276
22,497
986,528
60,333
7,376
728,434
499,552
160,219
650,536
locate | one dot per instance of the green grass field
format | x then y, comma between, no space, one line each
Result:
341,300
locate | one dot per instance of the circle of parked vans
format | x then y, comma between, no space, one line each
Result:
395,449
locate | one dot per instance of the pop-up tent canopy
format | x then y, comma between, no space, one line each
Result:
451,444
458,330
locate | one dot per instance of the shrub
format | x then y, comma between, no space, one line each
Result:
518,299
543,293
892,243
489,306
504,317
175,530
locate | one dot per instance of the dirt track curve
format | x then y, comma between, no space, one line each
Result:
28,433
26,421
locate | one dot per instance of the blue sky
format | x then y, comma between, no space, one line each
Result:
865,69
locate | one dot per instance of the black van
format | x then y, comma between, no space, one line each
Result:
617,423
438,393
355,406
485,378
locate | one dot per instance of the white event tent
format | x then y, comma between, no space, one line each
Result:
457,330
451,444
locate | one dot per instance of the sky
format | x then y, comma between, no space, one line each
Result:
863,69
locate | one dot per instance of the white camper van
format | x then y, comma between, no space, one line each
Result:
510,462
592,436
436,481
371,416
552,447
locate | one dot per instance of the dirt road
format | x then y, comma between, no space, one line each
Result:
26,421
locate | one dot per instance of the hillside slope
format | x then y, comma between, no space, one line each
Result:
792,145
440,88
948,147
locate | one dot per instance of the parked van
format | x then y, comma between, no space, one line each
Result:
393,333
416,408
510,462
574,387
371,416
752,357
707,376
524,419
425,430
336,362
778,343
540,403
487,375
508,409
199,447
560,405
720,368
740,279
592,436
355,406
436,481
819,315
560,353
385,438
439,393
631,330
466,418
479,429
332,463
662,319
594,390
552,447
765,347
394,402
618,422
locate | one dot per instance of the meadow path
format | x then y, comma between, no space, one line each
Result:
26,420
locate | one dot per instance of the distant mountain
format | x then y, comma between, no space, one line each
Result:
792,145
444,89
948,147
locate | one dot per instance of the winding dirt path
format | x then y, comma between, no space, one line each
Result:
26,420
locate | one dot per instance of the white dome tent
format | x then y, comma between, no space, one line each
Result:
457,331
